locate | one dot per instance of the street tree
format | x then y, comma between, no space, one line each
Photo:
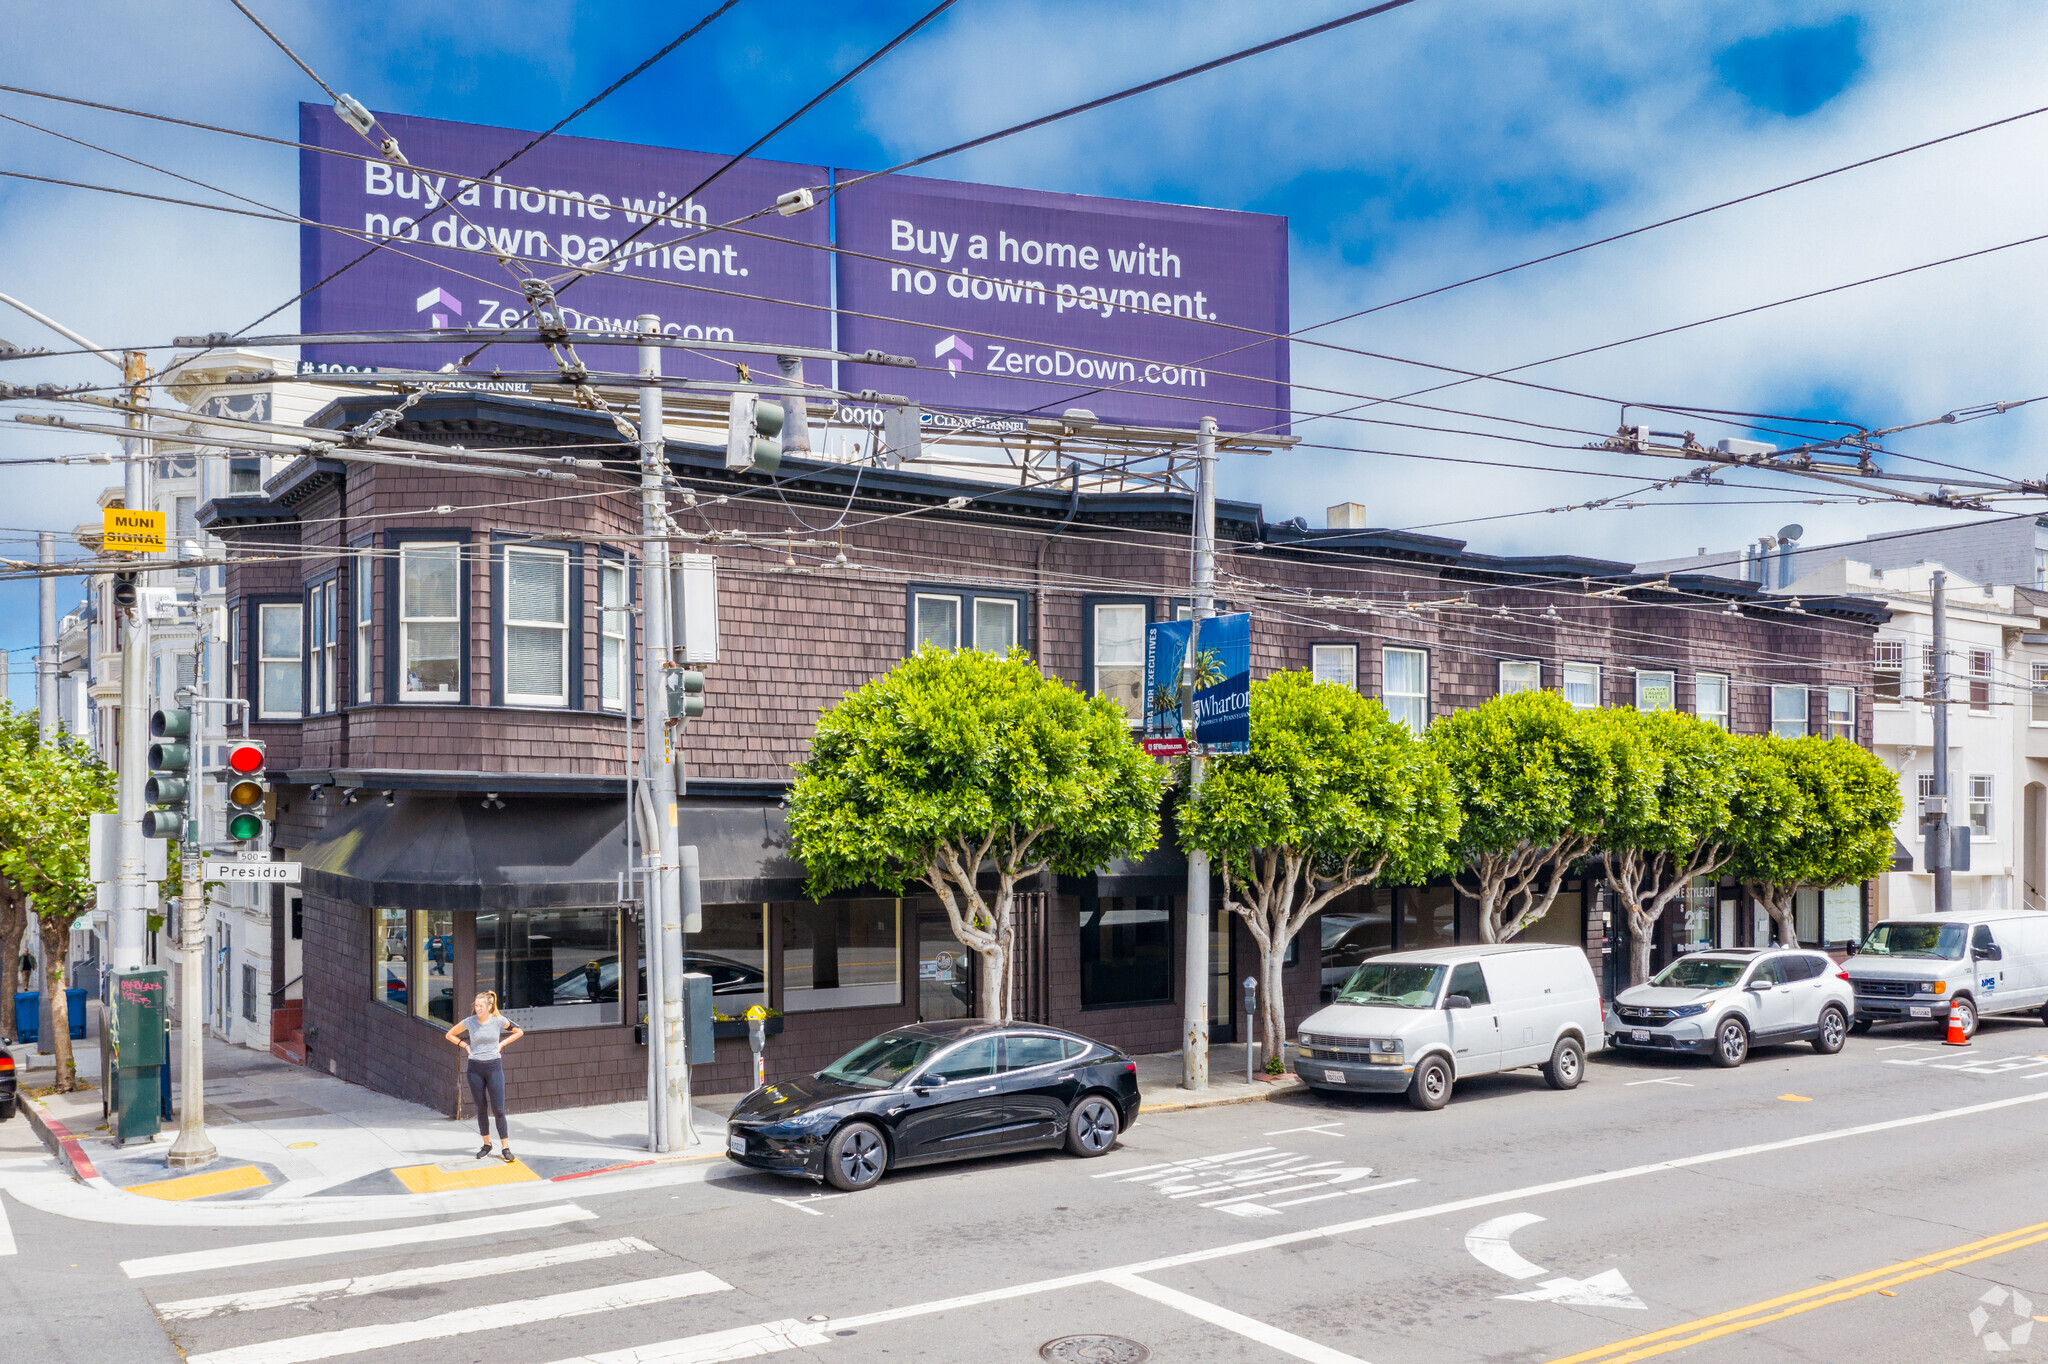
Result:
956,763
1334,795
19,733
1834,827
1536,780
47,792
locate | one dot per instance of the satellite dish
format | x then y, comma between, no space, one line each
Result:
1791,532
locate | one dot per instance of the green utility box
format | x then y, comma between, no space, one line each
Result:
139,1039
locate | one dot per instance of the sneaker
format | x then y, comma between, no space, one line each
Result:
484,1151
508,1155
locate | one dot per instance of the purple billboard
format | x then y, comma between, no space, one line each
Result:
1027,302
566,206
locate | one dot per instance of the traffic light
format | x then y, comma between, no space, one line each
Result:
246,788
126,594
685,693
753,431
170,784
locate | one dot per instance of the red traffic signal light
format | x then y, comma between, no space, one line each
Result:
246,757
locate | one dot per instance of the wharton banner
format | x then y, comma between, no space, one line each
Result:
568,204
1017,300
1222,681
1166,653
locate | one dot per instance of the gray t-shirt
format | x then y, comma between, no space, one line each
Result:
483,1037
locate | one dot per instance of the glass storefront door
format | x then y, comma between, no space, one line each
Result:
1220,975
945,971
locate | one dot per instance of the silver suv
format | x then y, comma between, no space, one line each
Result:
1721,1003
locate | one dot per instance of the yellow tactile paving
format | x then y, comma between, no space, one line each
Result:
202,1186
434,1179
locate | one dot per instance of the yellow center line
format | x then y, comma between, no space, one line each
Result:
1806,1300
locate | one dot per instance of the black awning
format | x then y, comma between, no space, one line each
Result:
1902,856
440,851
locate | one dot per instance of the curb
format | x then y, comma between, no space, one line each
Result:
58,1138
1274,1091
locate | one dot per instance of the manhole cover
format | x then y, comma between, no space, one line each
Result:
1094,1350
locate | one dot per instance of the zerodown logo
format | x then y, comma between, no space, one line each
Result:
952,350
439,298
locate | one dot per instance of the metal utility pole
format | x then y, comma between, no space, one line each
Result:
1939,837
796,423
193,1147
668,1090
128,925
1194,1052
46,652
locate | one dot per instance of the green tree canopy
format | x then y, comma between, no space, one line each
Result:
1828,822
953,761
1536,781
1333,795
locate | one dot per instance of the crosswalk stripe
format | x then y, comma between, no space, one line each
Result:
741,1342
494,1317
265,1252
6,1233
298,1295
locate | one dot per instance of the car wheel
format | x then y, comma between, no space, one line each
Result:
1431,1087
1091,1127
7,1110
855,1157
1861,1027
1567,1064
1731,1043
1834,1031
1966,1012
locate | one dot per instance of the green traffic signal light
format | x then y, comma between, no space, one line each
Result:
245,826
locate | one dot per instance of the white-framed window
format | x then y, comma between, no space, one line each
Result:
1656,691
1405,692
536,641
995,624
1581,684
1842,713
614,652
1788,712
1927,671
938,621
1520,674
430,621
361,663
1710,698
185,532
1888,669
1923,786
1980,681
280,680
1119,663
2038,675
1336,663
1981,788
319,650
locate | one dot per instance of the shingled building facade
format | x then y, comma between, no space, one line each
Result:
443,666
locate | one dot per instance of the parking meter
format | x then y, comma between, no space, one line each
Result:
1251,1023
757,1038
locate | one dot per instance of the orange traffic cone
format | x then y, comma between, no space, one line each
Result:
1956,1036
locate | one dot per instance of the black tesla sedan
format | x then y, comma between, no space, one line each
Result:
938,1091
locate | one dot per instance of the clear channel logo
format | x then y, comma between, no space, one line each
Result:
1990,1324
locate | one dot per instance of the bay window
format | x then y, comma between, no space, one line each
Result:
280,677
1405,688
1117,668
535,670
1336,663
614,649
430,599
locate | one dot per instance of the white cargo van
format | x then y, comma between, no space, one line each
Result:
1925,968
1421,1021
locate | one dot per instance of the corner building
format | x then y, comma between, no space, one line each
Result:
444,669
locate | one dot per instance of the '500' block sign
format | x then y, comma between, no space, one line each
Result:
287,872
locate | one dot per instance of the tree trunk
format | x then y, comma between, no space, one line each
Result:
1273,1003
56,943
1642,928
13,924
995,984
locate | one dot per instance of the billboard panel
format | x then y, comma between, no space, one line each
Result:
1026,301
566,205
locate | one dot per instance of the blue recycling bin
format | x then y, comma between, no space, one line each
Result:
28,1003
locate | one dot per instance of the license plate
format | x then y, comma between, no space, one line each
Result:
1920,1010
1335,1076
1639,1035
739,1146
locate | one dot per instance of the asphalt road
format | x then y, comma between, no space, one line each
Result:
1885,1204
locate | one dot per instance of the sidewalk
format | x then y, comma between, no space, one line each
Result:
285,1132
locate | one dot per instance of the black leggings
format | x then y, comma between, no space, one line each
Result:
487,1082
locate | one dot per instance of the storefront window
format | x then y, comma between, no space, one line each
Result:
552,968
433,964
840,954
732,949
1356,925
945,970
388,929
1429,917
1126,951
1565,922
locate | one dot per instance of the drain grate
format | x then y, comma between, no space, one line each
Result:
1094,1350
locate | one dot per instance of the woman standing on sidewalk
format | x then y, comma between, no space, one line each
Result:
490,1032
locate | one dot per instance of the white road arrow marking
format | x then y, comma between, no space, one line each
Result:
1605,1289
1488,1243
1660,1080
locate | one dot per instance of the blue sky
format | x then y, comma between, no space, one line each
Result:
1407,151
